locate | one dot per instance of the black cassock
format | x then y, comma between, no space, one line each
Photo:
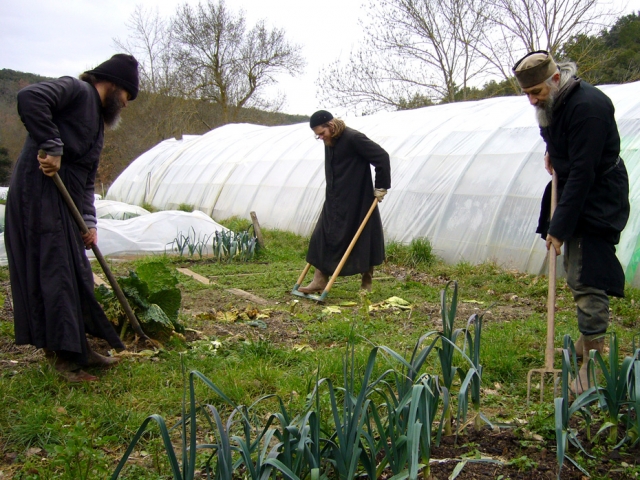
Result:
349,195
51,278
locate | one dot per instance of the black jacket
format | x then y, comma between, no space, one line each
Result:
51,278
593,187
349,195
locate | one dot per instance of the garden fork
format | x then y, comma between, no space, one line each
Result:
551,311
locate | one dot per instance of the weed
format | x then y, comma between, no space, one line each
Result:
79,456
148,207
185,207
419,253
524,463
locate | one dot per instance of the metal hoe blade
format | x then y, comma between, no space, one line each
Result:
322,297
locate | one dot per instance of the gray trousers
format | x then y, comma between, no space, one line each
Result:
592,303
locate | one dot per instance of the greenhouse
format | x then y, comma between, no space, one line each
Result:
468,176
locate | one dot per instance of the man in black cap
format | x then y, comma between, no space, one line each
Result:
578,126
348,155
51,278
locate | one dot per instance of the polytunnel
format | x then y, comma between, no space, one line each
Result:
468,176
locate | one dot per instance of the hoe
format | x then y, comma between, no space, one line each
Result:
322,297
133,321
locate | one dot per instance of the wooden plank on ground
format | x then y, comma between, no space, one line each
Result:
235,291
249,296
194,275
98,281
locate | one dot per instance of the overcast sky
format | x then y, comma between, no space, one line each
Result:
66,37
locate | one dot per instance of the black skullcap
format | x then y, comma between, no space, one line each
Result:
121,70
320,118
534,68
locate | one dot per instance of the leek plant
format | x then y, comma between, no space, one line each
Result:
188,435
349,424
614,395
411,403
472,376
565,409
229,245
633,412
447,347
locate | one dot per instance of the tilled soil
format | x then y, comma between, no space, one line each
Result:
488,454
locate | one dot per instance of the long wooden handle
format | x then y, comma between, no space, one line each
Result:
551,297
98,254
351,245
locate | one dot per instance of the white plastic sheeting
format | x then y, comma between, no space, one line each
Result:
152,233
110,209
468,176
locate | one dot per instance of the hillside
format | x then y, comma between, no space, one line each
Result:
147,121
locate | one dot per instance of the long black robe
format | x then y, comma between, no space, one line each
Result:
349,195
51,278
593,187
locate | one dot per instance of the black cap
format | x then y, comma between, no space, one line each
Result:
121,70
320,118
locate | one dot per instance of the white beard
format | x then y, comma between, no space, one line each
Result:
544,114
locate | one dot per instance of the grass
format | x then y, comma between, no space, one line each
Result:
54,429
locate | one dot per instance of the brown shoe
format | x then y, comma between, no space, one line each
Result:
67,369
318,283
100,361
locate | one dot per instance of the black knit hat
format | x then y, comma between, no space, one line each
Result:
121,70
320,118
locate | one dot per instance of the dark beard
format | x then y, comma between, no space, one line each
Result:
112,108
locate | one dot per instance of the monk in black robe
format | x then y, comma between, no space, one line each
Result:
51,278
350,191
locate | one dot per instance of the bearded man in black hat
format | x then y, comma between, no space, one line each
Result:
51,278
348,156
578,126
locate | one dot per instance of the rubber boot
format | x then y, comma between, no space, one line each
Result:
367,280
581,383
579,346
318,283
99,361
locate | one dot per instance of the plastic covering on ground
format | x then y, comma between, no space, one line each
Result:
118,210
152,233
468,176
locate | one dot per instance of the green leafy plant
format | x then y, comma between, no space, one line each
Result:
472,376
411,402
613,395
77,456
633,413
154,297
565,409
447,346
417,253
185,207
228,245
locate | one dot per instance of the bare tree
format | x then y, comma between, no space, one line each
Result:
222,61
413,49
519,26
150,42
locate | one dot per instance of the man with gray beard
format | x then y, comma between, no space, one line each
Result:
578,126
51,278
